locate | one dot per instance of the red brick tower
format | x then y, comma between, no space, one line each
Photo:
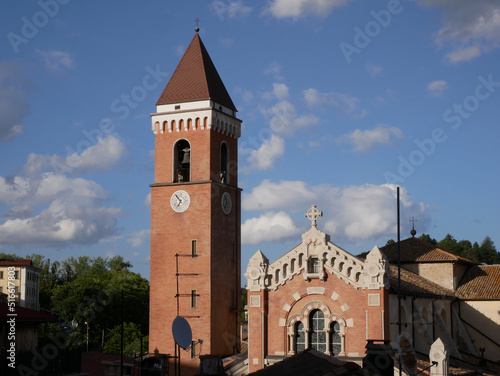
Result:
195,211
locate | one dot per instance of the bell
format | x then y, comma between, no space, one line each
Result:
186,157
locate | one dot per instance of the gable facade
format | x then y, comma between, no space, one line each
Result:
315,296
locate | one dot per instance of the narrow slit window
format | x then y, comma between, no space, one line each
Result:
194,300
194,248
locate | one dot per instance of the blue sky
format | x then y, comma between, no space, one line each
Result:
341,101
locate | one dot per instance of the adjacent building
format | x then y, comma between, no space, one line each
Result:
25,279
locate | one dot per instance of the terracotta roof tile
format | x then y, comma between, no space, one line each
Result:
195,78
25,314
413,284
16,262
480,282
416,250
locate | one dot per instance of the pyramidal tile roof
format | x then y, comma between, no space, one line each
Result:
195,78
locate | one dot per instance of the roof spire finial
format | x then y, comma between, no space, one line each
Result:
413,232
197,28
313,214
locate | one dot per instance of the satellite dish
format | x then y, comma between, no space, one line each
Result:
182,332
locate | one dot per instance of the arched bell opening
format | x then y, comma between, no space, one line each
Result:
182,161
224,163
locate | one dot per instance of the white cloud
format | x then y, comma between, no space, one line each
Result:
267,227
300,8
139,238
284,119
469,29
274,69
363,141
230,9
280,91
346,104
351,213
147,200
265,157
373,69
70,219
57,60
437,88
101,156
271,196
13,189
13,103
73,213
463,54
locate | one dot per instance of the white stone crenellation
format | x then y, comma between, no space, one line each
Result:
195,119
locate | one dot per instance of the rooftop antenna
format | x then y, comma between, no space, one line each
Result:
197,20
413,232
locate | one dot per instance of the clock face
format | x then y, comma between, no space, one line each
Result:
226,203
180,201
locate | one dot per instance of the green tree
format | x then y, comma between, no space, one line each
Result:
94,297
487,252
449,243
390,241
9,256
131,340
243,304
427,238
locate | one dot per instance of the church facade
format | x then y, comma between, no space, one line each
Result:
315,296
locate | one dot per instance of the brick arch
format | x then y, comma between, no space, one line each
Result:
340,320
315,305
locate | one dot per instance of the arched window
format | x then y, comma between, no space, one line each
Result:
300,343
182,161
224,163
317,337
335,339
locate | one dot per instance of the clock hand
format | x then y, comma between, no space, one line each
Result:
178,199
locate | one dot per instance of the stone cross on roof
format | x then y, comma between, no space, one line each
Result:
313,214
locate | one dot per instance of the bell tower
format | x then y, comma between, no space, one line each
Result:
195,211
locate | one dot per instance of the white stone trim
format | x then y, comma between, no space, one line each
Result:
315,291
282,322
287,307
335,296
349,323
344,307
254,301
296,296
373,300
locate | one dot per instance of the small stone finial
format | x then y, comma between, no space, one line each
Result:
313,214
197,20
